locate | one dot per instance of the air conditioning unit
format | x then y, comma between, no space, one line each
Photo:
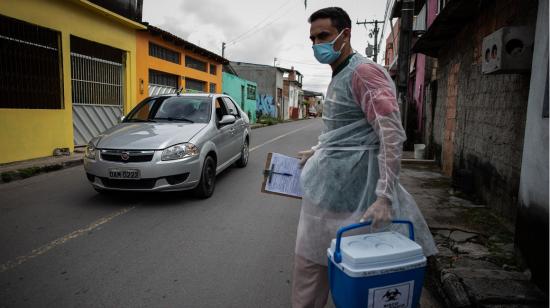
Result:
508,50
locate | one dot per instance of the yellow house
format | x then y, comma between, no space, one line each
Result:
68,71
166,63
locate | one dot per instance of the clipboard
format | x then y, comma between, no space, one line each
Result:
270,171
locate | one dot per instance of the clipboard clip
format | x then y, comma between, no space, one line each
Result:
269,173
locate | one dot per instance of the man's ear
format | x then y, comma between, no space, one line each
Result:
347,33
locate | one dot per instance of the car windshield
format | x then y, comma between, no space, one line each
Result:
190,109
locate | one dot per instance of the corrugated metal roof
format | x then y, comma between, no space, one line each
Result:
186,45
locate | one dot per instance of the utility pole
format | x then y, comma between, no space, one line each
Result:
274,61
375,34
223,49
405,38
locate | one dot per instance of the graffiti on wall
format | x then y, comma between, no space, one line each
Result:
265,105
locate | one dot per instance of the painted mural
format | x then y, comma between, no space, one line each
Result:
265,105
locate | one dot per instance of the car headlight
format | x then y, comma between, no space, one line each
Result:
90,151
180,151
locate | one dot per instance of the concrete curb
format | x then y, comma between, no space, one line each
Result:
39,168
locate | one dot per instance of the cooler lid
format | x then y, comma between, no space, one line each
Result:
377,250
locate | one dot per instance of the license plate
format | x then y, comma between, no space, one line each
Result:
124,173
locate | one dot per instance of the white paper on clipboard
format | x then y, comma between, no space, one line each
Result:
284,177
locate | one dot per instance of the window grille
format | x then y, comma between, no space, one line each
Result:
30,66
251,92
195,64
196,85
212,88
163,53
163,79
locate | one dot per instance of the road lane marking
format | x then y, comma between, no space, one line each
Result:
279,137
62,240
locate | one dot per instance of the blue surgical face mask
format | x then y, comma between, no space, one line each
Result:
325,53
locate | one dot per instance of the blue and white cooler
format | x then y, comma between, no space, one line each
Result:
376,270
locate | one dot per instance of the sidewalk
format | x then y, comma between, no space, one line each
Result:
476,265
27,168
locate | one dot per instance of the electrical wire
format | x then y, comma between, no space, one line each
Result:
256,25
255,31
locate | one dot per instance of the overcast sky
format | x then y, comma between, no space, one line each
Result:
259,31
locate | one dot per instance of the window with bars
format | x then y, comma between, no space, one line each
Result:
195,85
251,92
163,79
163,53
212,88
213,69
195,64
30,66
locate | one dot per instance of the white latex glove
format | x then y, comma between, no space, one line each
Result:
304,156
379,212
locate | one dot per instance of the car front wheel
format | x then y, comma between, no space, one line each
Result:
205,189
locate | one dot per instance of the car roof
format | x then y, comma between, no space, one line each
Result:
190,94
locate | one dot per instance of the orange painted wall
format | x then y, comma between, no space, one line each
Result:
146,62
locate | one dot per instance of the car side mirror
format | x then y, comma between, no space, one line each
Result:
121,119
228,119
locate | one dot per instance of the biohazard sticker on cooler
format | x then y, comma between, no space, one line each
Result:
376,270
394,296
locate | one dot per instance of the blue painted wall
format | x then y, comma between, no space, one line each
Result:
233,86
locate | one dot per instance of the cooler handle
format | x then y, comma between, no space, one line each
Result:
338,255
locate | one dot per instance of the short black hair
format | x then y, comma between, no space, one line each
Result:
339,18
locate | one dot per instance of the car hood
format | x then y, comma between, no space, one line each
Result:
147,136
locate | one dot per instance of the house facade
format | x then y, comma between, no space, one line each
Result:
243,93
484,107
270,99
167,63
68,73
292,91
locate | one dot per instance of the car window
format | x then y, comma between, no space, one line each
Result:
220,109
193,109
233,110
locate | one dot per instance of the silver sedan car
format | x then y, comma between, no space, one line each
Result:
170,142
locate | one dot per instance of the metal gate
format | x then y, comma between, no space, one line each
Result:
98,95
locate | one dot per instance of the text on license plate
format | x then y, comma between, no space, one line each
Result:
124,173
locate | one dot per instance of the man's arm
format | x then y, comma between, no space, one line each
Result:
375,94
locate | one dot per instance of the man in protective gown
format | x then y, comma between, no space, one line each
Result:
352,174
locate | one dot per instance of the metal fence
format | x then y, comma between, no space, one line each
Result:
96,81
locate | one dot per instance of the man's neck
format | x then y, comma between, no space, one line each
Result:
345,54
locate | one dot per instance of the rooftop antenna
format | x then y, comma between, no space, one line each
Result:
179,91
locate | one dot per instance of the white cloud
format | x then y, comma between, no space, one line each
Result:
274,29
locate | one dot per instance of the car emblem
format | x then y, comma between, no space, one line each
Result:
125,156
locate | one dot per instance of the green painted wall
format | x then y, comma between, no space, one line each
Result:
233,86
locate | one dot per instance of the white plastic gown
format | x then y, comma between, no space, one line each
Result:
357,159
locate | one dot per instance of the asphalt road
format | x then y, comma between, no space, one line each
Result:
64,245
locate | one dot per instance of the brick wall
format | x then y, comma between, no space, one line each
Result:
479,119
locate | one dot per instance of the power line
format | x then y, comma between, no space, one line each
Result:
235,41
256,25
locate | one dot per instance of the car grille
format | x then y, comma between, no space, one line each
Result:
132,156
129,184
